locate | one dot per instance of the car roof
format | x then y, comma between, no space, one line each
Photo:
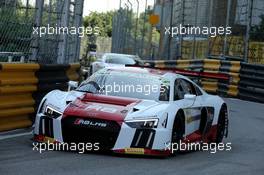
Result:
118,54
142,70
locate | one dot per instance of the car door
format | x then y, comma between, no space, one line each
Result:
191,107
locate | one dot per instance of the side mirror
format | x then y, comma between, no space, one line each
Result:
72,85
189,97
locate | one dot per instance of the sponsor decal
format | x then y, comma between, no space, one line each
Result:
101,108
89,123
48,139
134,151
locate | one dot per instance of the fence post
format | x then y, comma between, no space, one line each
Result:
227,24
195,25
209,26
171,23
249,20
38,22
136,30
143,31
78,22
63,45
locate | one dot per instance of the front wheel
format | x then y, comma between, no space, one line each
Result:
178,129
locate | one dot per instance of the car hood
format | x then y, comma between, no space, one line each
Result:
114,65
112,108
147,109
60,99
100,107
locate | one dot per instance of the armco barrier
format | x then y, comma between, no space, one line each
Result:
232,68
208,65
17,83
50,77
246,80
54,77
251,85
23,85
179,64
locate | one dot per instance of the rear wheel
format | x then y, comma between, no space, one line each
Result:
221,124
178,129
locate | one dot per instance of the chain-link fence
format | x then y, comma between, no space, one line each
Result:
245,42
132,33
244,16
16,23
40,30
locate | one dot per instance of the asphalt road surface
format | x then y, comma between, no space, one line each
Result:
246,134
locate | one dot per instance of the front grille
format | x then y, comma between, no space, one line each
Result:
46,126
143,138
89,130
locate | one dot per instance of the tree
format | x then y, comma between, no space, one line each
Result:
101,20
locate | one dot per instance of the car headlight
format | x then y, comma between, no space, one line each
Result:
143,123
51,112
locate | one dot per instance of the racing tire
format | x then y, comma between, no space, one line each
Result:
178,129
221,124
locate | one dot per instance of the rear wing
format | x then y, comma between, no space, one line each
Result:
189,73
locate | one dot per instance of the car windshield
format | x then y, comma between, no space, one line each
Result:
121,59
127,84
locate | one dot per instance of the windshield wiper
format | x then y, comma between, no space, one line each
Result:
84,91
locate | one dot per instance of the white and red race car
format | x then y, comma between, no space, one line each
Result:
133,110
114,60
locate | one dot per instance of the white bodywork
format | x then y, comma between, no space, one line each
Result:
145,109
102,63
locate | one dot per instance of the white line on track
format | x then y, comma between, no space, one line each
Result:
15,135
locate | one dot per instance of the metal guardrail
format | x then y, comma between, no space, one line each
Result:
251,85
247,80
17,83
232,68
22,86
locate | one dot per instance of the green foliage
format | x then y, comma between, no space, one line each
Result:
147,29
101,20
104,22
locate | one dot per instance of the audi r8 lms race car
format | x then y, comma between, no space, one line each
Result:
113,60
133,110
